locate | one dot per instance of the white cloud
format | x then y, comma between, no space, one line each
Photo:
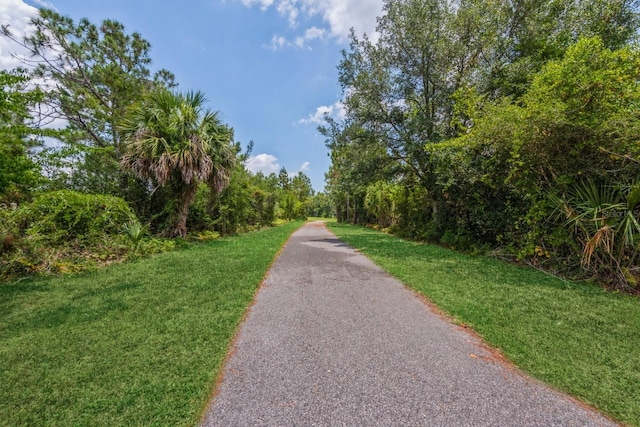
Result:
17,15
310,34
339,15
264,4
45,4
336,111
277,42
342,15
314,33
288,8
303,168
265,163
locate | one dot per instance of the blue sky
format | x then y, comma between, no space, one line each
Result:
268,66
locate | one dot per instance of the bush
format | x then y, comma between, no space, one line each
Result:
60,216
63,232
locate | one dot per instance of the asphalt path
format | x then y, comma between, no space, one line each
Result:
333,340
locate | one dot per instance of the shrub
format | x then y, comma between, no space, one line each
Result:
604,220
61,216
63,232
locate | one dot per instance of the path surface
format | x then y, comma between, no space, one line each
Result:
333,340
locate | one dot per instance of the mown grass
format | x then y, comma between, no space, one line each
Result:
575,336
134,344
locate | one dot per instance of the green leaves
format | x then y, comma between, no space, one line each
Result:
18,172
92,74
135,232
173,141
488,106
170,133
604,220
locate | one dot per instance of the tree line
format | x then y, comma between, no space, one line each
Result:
509,126
94,147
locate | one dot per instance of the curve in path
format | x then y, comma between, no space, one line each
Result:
334,340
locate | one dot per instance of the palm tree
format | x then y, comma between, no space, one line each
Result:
604,220
173,141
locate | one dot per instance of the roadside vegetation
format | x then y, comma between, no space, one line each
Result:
139,343
499,126
134,165
577,337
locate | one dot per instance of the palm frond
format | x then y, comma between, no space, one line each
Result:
603,238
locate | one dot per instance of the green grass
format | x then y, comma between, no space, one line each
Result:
133,344
577,337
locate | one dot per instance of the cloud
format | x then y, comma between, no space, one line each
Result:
342,15
288,8
339,15
265,163
335,111
278,42
310,34
17,15
45,4
264,4
303,168
268,164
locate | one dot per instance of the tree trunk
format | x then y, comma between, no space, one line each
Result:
179,226
436,212
355,211
348,218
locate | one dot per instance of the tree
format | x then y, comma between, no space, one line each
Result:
381,201
173,141
533,32
402,89
90,75
321,206
358,158
577,121
301,186
399,89
18,172
582,115
283,179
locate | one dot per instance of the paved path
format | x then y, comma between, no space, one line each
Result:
333,340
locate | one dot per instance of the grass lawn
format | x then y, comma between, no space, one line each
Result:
577,337
133,344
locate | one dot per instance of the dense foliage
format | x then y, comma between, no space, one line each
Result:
59,228
89,75
478,130
19,173
171,141
138,157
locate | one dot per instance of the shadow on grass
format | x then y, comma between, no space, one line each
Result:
40,306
